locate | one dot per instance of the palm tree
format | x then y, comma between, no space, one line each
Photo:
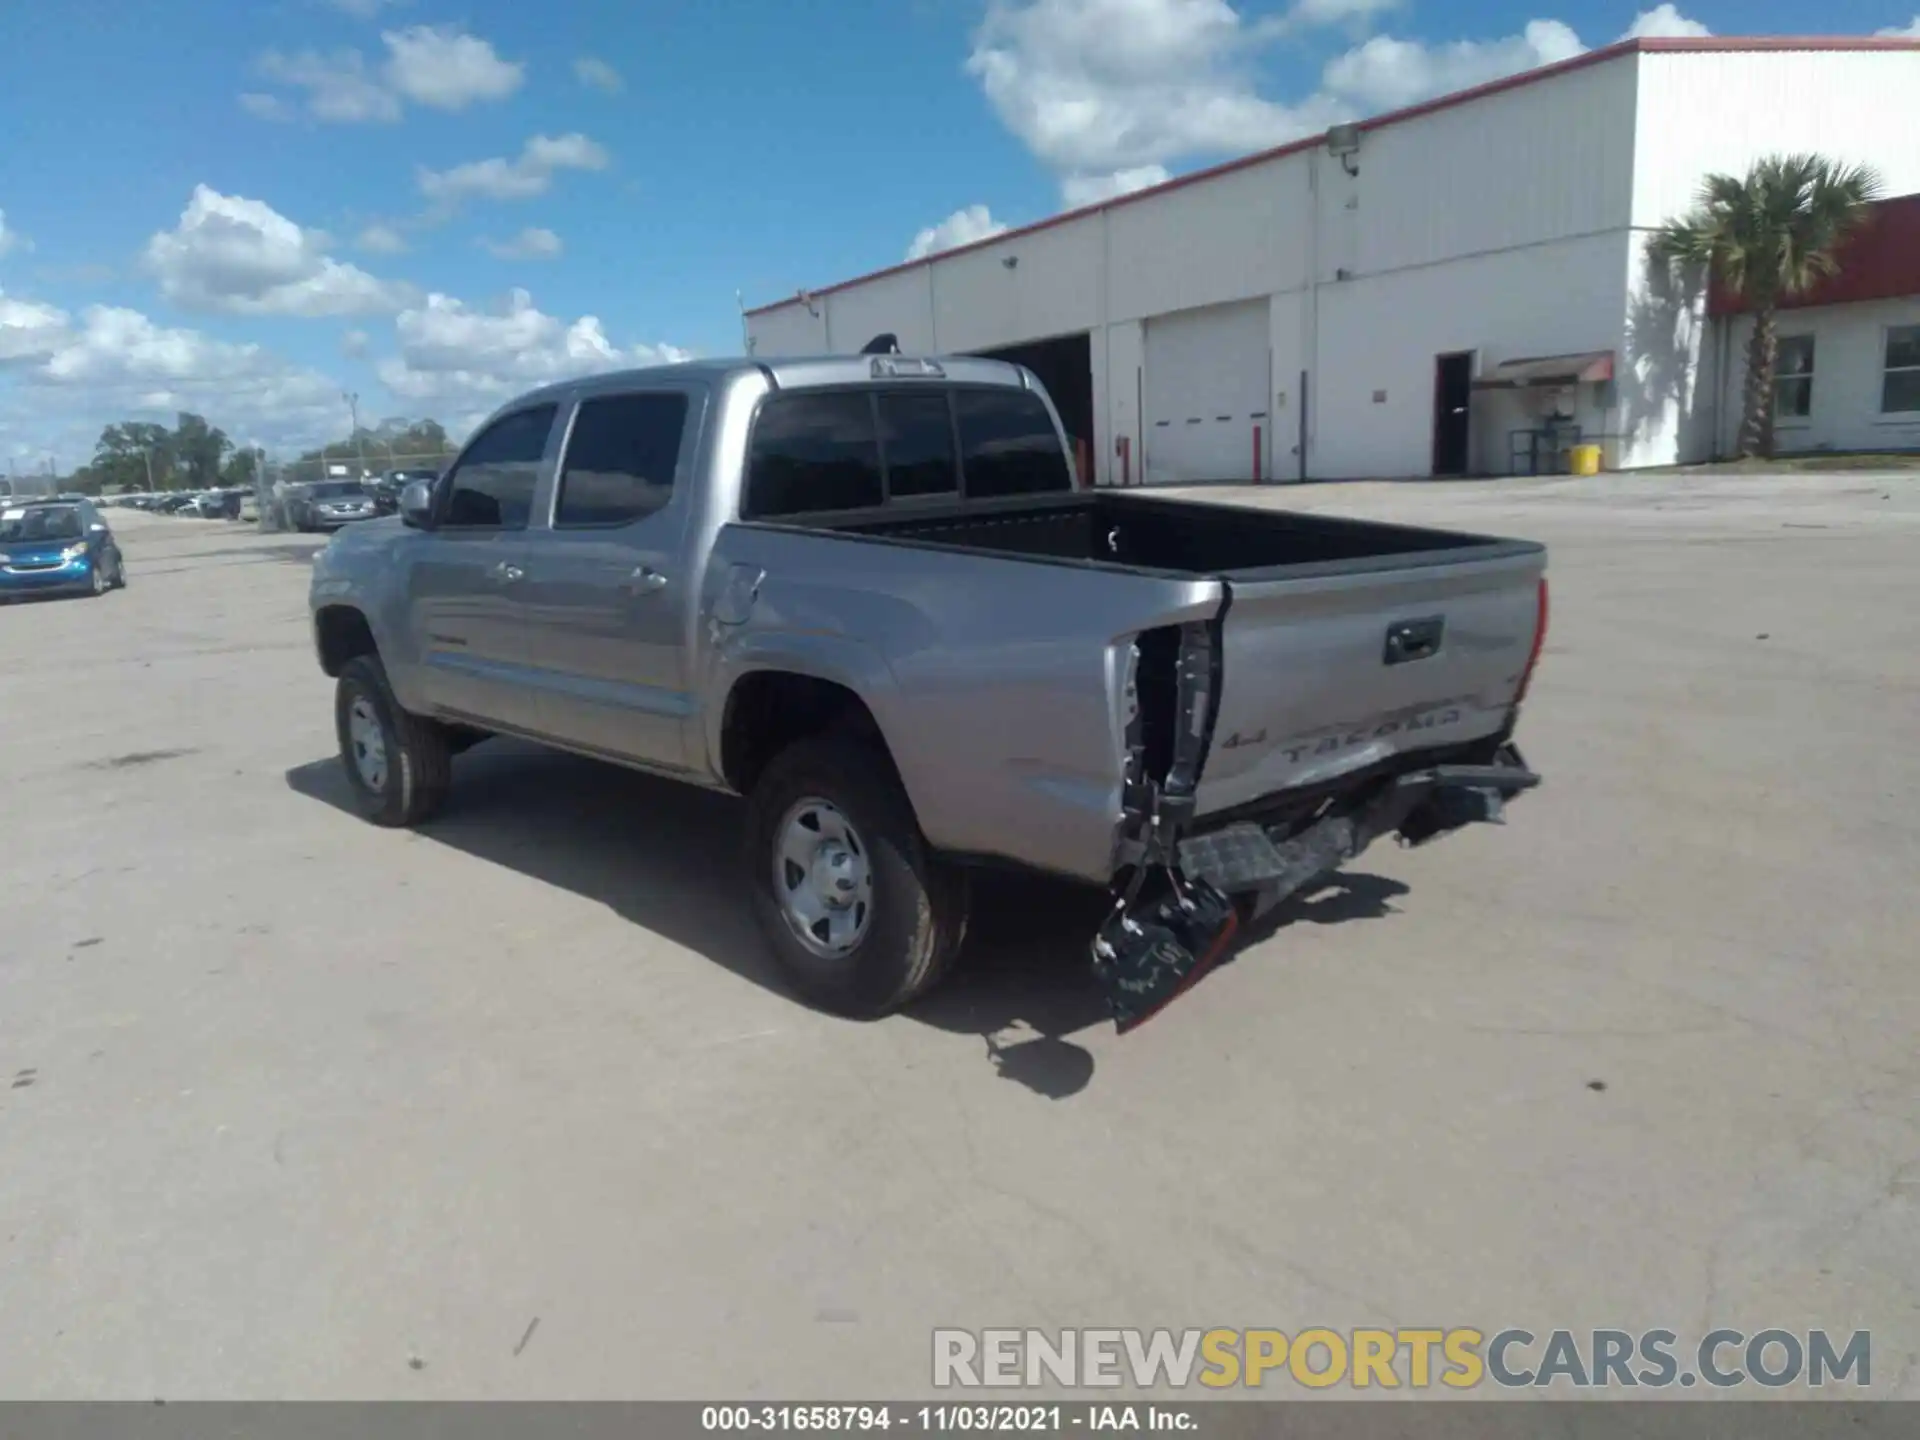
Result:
1767,236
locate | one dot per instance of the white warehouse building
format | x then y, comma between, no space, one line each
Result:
1457,288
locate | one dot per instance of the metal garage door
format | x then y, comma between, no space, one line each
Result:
1205,393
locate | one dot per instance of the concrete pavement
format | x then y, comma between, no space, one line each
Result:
291,1107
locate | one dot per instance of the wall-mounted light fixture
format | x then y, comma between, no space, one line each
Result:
1343,143
1011,262
806,298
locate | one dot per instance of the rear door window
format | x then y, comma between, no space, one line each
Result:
1008,445
621,459
812,452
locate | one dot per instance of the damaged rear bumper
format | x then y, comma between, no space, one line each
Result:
1157,942
1274,862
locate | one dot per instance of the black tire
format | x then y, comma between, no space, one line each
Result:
919,916
97,578
419,766
119,571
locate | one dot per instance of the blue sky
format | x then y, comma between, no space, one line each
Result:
247,207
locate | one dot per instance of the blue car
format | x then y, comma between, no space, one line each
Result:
53,547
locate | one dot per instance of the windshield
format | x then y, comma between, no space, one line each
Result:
47,522
337,491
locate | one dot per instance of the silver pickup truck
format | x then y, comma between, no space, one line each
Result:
867,594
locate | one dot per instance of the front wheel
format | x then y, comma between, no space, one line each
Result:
860,916
397,764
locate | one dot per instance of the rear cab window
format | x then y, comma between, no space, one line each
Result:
1008,445
822,451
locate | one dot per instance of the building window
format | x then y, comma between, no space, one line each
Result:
1793,378
1900,385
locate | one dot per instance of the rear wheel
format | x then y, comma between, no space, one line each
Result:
398,764
860,916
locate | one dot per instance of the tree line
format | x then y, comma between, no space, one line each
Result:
192,454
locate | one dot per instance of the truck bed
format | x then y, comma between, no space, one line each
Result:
1178,537
1309,687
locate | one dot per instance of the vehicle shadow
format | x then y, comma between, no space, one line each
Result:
665,856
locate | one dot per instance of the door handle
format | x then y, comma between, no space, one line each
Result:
507,573
645,581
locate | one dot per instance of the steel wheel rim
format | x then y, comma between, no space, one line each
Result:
823,879
367,743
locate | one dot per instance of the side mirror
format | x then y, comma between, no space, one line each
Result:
98,528
416,505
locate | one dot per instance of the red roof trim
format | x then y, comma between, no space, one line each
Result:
1663,45
1878,261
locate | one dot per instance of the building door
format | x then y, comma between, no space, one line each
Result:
1205,395
1452,389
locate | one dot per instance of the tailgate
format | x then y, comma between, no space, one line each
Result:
1329,673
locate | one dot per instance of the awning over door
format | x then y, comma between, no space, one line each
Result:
1591,366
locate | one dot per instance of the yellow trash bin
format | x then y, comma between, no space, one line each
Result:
1585,458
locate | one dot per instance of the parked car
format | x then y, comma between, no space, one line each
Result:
387,489
867,595
329,504
248,509
55,547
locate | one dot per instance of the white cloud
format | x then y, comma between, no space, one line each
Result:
1105,91
266,107
1339,12
439,66
1078,190
1664,22
962,227
1095,87
591,70
365,9
11,239
29,330
533,243
339,88
519,179
378,239
355,344
75,377
452,353
1386,74
443,67
1902,32
242,256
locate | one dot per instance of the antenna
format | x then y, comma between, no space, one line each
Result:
806,298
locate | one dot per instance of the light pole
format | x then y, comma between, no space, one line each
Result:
359,445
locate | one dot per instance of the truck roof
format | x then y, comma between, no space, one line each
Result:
795,373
